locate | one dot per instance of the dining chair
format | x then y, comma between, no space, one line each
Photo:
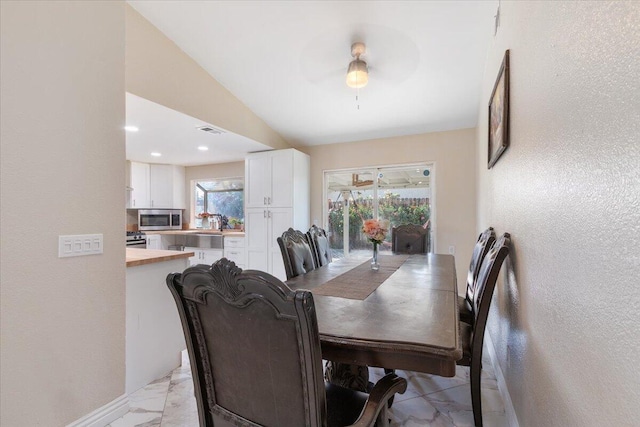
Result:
351,376
255,354
472,337
319,242
296,253
465,303
409,239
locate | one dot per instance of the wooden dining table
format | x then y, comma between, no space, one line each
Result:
402,316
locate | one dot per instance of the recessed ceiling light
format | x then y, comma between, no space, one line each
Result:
131,128
203,148
156,154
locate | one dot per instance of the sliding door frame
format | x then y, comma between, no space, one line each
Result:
431,165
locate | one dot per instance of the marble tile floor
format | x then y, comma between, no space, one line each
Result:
429,401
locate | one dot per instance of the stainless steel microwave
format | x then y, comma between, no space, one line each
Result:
159,219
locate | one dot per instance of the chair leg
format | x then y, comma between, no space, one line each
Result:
476,402
389,371
383,418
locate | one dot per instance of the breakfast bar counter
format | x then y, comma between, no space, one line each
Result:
230,233
137,257
154,338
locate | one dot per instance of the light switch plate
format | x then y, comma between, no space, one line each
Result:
79,245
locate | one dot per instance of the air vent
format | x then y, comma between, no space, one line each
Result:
211,129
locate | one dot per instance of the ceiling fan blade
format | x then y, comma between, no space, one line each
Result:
322,75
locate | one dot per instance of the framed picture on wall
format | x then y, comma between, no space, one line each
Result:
499,114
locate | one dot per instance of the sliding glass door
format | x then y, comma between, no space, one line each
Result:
400,194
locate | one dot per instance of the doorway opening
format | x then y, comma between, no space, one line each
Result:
399,194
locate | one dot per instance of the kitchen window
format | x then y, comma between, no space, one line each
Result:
220,196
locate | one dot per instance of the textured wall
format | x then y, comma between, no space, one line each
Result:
565,319
454,155
62,172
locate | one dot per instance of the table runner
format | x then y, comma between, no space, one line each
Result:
359,282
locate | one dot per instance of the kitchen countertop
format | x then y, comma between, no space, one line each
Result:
233,233
149,256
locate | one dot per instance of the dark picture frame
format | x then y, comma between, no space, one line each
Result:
498,140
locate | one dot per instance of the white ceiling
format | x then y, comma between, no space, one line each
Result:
176,136
287,61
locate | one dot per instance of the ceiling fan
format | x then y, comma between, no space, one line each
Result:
358,72
384,60
329,66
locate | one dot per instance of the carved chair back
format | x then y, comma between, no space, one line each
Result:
486,283
485,240
296,253
254,347
319,241
409,239
472,336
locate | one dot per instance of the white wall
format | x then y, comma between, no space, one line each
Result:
62,172
565,317
453,153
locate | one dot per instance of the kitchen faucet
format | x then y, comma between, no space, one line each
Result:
217,221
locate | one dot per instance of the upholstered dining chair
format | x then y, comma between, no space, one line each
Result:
409,239
296,253
472,337
465,303
255,354
319,242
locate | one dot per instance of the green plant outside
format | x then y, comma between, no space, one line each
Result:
391,207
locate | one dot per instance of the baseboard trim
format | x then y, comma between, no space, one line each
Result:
512,419
105,414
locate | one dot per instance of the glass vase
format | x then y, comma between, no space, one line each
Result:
374,259
205,223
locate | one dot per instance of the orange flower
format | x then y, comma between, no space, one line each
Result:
375,230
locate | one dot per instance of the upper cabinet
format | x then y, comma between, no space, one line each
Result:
166,184
156,186
139,176
273,177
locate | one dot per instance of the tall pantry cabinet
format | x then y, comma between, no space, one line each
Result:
277,187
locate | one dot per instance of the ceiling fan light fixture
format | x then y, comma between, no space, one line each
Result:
358,74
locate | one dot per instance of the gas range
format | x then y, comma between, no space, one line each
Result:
136,239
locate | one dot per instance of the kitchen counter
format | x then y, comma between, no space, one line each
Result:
137,257
234,233
154,339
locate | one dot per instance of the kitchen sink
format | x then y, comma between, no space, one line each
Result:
201,240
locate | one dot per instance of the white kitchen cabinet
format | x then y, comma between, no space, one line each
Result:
263,252
154,241
256,186
166,183
204,256
156,186
278,202
139,185
234,250
274,178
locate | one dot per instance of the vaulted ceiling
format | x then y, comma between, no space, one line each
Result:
287,61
